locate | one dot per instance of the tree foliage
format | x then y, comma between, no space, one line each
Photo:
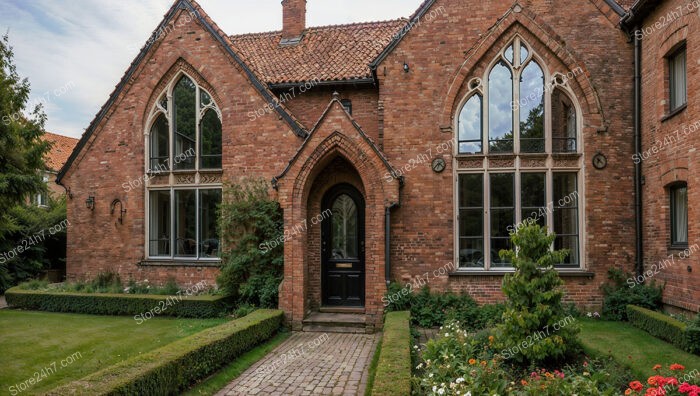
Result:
21,159
534,307
251,231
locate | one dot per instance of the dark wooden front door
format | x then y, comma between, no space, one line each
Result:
343,248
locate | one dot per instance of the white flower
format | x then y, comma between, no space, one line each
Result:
447,334
434,388
420,366
459,380
590,315
441,391
468,394
430,376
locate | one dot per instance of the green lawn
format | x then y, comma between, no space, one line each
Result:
633,347
31,341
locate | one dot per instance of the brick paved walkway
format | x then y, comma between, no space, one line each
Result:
310,364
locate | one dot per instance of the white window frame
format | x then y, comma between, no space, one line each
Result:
172,174
479,85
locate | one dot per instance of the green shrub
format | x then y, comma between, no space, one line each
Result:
534,307
619,293
665,327
172,368
692,336
251,229
118,304
393,375
434,309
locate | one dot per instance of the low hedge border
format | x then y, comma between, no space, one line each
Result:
393,376
665,327
119,304
172,368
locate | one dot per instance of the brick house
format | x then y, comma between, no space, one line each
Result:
427,138
55,159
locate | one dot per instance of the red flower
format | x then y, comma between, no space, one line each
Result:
671,381
585,364
677,366
656,367
636,386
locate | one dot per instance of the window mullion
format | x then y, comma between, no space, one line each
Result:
197,129
173,241
487,221
516,110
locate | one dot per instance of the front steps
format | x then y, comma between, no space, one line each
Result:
326,322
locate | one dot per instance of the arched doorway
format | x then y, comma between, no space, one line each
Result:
343,247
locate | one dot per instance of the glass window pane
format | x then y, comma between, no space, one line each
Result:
532,197
160,144
565,192
208,235
159,224
509,54
569,243
565,215
471,252
204,98
523,54
185,115
210,150
501,109
531,106
471,222
498,244
677,73
470,126
679,215
186,223
345,230
502,186
563,123
471,190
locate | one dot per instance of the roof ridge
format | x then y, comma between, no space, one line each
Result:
322,27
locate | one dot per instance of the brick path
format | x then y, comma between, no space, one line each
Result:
310,364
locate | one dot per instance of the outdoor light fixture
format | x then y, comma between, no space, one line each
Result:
90,202
406,68
121,209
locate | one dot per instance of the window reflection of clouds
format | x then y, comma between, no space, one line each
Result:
500,99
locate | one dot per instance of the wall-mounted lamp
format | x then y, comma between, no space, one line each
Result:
90,202
406,68
121,210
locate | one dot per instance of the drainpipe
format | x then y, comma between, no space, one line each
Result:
638,149
387,242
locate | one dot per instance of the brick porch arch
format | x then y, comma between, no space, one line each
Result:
337,151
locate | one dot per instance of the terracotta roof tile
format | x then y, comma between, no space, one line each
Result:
61,148
328,53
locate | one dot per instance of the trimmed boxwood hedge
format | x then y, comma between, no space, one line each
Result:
393,376
665,327
118,304
172,368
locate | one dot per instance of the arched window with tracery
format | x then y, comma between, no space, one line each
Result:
518,158
184,146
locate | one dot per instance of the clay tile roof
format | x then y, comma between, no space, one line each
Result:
328,53
61,148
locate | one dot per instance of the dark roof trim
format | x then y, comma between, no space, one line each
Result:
329,83
637,13
186,5
358,128
616,7
415,20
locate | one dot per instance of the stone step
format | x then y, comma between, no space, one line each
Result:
336,323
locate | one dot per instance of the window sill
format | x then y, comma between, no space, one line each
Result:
179,263
676,249
564,155
564,273
674,112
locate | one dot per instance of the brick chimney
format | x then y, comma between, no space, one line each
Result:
293,19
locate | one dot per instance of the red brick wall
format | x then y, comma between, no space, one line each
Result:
675,160
449,48
259,147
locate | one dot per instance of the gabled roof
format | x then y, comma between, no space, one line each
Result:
338,53
218,34
358,129
61,148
